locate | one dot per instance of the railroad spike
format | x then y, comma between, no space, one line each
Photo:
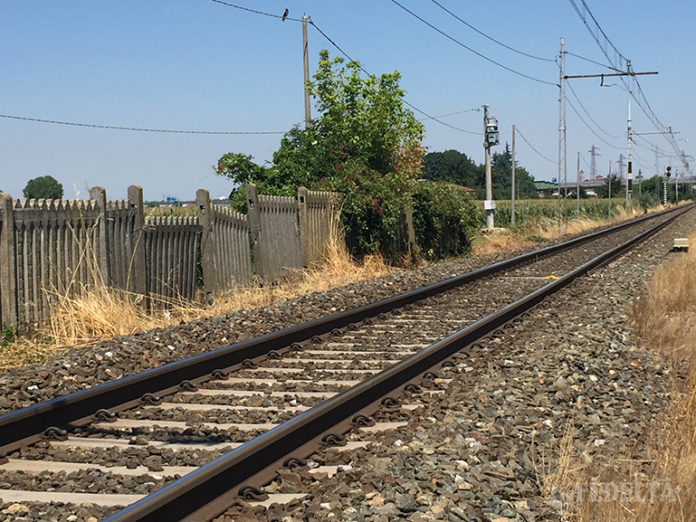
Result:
150,399
187,386
55,433
252,494
333,439
412,387
363,421
104,415
220,374
391,403
249,364
294,463
274,354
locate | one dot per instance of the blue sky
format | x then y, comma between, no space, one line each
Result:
199,65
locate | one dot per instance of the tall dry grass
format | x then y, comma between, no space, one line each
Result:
663,488
543,228
100,312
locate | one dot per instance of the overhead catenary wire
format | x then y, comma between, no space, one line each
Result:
541,58
588,112
461,44
134,129
636,91
517,130
589,127
589,60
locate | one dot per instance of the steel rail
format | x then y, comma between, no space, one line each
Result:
27,425
208,491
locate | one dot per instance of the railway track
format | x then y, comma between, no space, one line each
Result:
246,410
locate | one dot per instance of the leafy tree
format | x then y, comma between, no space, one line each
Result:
617,190
363,128
364,144
501,172
43,187
454,167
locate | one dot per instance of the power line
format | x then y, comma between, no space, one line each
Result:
589,60
344,53
136,129
264,13
590,128
619,60
588,112
455,113
443,33
490,37
428,116
517,130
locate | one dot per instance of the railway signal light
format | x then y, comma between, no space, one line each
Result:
492,135
668,171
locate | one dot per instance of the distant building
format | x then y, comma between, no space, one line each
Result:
545,188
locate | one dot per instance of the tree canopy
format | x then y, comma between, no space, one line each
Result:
455,167
363,129
43,187
364,144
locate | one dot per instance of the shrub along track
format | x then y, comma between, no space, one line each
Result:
198,422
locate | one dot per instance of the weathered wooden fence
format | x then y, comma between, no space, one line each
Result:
318,219
58,249
171,258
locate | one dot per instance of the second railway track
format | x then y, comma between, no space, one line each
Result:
170,424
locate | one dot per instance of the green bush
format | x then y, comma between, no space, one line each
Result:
444,218
370,211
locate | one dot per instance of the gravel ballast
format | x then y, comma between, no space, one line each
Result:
479,452
497,401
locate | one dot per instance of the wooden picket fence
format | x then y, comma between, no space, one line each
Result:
58,249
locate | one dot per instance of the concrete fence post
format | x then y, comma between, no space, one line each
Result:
205,219
8,281
136,273
305,239
99,195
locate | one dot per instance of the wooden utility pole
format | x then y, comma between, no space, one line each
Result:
305,59
512,185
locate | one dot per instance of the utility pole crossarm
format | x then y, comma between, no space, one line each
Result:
606,75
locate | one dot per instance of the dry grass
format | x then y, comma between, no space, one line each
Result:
79,321
541,230
665,321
